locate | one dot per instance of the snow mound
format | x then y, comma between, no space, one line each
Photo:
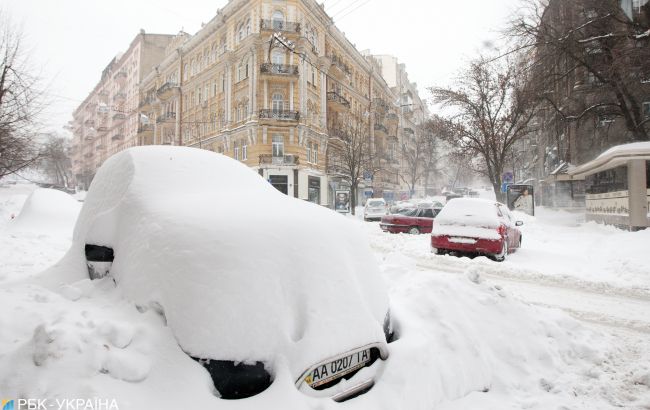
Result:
47,210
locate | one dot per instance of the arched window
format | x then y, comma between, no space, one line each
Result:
248,27
277,56
241,32
278,20
277,102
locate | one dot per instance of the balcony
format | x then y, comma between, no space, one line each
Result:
119,116
409,131
119,97
282,115
289,160
102,128
169,117
279,69
337,101
117,135
146,103
120,77
381,128
166,90
392,117
276,25
99,147
89,123
340,69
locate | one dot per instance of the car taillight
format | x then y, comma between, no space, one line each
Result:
502,230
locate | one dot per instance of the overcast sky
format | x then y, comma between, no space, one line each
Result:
72,41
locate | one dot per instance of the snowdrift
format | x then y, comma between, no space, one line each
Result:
47,210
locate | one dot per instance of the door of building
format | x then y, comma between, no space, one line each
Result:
314,190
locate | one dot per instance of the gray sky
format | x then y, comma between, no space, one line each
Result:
73,40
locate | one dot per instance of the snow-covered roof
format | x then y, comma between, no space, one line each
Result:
613,157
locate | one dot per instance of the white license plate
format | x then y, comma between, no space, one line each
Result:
325,373
468,241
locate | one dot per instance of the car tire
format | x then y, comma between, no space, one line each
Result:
501,256
414,230
436,251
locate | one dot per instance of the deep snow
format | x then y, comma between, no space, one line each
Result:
465,342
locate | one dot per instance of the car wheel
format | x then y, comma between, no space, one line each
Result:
501,256
437,251
414,230
519,242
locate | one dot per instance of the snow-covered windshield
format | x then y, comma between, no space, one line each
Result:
376,204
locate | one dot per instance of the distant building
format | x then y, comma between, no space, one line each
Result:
107,121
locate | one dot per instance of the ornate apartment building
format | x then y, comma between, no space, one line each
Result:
106,122
273,105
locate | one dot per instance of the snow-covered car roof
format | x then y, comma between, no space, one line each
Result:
242,271
470,212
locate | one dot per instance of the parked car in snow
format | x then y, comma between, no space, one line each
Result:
414,221
375,208
480,226
250,292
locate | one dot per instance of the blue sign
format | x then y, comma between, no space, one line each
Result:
504,187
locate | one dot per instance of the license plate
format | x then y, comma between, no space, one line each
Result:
468,241
325,373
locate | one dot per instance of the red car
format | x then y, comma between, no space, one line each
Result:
480,226
413,221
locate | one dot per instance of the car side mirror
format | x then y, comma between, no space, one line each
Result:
519,223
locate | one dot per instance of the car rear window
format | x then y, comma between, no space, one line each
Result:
469,212
375,203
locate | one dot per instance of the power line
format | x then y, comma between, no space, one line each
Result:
346,8
348,13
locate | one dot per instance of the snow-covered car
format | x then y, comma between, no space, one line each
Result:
472,225
247,290
375,208
414,221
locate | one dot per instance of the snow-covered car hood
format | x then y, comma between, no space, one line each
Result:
242,271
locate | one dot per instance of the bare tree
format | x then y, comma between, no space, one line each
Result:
55,161
590,60
350,154
420,158
492,109
20,103
434,134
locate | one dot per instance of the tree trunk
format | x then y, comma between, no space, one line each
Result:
353,198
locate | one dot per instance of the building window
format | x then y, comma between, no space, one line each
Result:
308,152
242,72
314,154
278,20
278,146
244,151
646,109
236,144
277,103
277,57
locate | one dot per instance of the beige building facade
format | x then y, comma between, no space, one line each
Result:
272,104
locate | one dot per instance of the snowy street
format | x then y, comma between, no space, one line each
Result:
563,323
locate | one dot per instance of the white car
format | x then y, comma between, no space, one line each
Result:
375,208
248,279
